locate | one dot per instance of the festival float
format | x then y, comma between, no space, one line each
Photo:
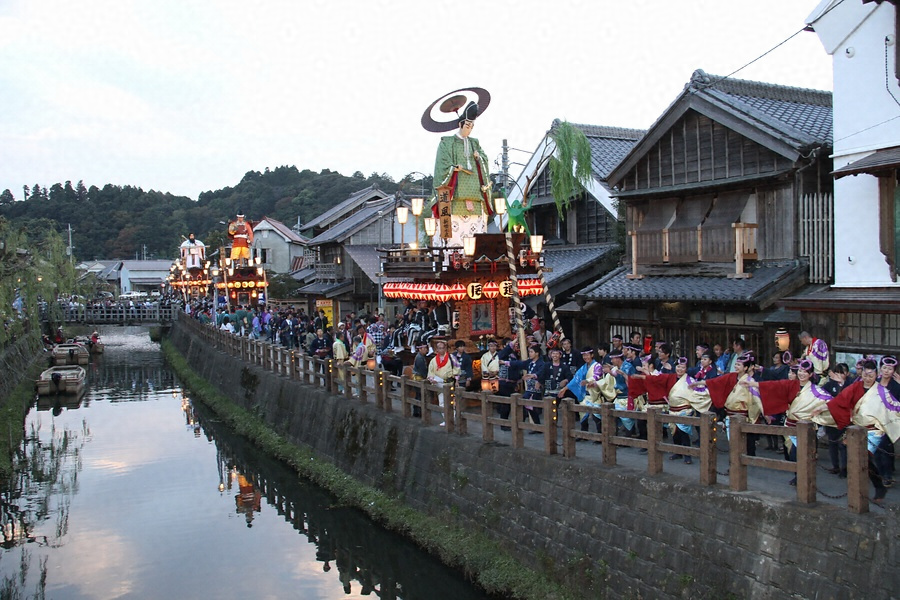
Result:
236,277
455,262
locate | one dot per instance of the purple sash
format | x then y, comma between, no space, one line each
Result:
889,401
819,393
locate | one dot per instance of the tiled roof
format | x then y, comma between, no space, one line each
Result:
335,212
303,273
566,261
343,229
326,288
134,266
609,145
769,280
795,120
284,230
884,159
800,114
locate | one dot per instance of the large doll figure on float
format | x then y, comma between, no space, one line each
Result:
462,187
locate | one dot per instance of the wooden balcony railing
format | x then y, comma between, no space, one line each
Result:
717,243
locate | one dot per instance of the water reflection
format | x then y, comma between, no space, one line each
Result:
136,491
368,559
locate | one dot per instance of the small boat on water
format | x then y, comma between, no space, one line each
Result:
70,354
65,379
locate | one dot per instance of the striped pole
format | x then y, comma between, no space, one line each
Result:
517,301
550,303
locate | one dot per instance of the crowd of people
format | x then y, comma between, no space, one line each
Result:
727,379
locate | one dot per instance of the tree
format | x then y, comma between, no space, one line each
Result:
567,155
7,198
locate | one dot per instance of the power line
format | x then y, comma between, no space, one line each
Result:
775,47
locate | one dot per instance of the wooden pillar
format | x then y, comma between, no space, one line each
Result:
518,439
348,385
487,411
550,424
737,444
708,456
567,415
607,431
404,397
654,456
857,469
462,424
806,462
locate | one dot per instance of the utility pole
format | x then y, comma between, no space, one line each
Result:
504,162
69,250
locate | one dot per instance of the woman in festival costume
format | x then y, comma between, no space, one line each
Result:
681,392
442,368
732,392
461,169
803,400
870,403
599,387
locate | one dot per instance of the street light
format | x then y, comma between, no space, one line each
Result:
402,217
430,227
417,204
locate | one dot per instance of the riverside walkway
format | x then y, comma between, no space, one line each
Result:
716,462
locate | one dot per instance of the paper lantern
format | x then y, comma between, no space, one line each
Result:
491,289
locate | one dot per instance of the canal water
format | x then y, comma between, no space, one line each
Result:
134,491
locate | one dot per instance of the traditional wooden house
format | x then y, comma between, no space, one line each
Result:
586,242
717,198
280,249
345,276
860,313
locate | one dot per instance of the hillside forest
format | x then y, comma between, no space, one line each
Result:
126,222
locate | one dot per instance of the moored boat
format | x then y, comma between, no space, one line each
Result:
70,354
64,379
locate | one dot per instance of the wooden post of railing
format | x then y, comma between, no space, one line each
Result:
404,398
426,395
700,242
348,385
518,439
329,375
708,448
487,411
309,365
550,419
634,257
568,426
449,405
806,462
857,469
362,381
654,433
737,445
379,388
293,368
607,431
387,400
462,424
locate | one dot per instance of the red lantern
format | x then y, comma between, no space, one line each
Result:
458,291
491,289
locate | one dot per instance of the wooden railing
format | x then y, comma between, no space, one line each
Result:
459,408
118,315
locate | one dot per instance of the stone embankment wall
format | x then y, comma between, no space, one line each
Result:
621,533
15,361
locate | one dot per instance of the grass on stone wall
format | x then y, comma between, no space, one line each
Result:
481,559
12,419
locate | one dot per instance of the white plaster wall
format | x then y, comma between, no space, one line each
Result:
858,261
860,98
854,34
